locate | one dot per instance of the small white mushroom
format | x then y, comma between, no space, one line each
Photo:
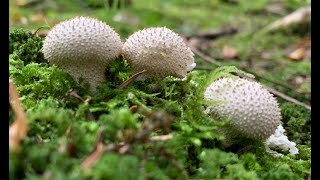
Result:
82,47
160,52
253,112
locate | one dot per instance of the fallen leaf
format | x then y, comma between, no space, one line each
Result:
229,53
17,18
96,154
20,3
37,18
18,129
298,54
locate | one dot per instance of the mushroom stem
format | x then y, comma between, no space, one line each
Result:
92,73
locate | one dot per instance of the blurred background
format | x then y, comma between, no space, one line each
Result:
269,38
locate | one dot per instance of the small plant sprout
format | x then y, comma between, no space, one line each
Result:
82,47
160,52
253,112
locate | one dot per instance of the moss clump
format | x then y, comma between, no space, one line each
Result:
298,123
25,46
36,81
61,135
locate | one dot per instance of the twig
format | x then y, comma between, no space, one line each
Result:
130,80
142,136
281,95
161,138
275,82
95,155
215,33
273,91
287,98
205,57
87,112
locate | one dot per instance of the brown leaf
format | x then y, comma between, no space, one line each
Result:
17,18
20,3
92,159
97,152
298,54
37,18
229,52
18,130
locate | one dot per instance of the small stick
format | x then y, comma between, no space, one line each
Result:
271,90
215,33
287,98
281,95
205,57
161,138
95,155
130,80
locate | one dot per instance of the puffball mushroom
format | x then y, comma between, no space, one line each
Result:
253,112
82,47
160,52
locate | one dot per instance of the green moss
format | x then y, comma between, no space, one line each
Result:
25,46
297,121
36,81
62,134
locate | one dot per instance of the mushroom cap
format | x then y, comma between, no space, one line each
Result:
160,51
253,112
82,43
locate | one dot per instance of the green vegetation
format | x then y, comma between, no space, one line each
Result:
63,129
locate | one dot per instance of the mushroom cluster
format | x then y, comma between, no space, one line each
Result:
253,112
82,47
160,52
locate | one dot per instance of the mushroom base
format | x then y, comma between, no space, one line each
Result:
91,73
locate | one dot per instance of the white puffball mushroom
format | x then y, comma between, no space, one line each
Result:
82,47
159,51
253,112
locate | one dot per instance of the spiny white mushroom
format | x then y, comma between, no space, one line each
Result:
160,52
253,112
82,47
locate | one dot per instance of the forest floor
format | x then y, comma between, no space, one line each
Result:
221,33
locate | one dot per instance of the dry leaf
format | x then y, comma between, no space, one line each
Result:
298,54
37,18
18,130
92,159
229,53
95,155
17,18
299,50
20,3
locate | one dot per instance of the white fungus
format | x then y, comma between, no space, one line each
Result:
280,142
252,110
82,47
160,52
